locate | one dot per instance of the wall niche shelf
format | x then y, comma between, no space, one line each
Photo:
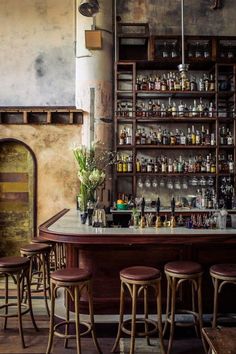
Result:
41,115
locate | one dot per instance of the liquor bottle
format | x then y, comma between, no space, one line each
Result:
163,110
200,108
158,109
206,82
138,165
193,84
223,138
129,164
143,165
170,166
207,138
128,137
183,138
150,166
125,164
231,163
122,138
144,85
189,137
143,137
229,137
138,83
181,109
157,84
119,165
195,109
201,86
138,137
164,83
177,137
198,138
193,136
212,83
169,108
211,110
174,110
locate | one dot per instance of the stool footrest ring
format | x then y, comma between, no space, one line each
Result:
68,336
144,321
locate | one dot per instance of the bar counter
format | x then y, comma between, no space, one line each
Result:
106,251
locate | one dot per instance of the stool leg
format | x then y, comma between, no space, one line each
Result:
121,316
6,301
26,276
67,319
146,313
159,317
45,277
172,316
91,313
19,309
51,325
167,304
199,295
77,321
194,308
215,306
133,320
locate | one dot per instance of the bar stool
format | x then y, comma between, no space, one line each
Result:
81,281
53,254
39,254
17,268
221,274
136,280
177,273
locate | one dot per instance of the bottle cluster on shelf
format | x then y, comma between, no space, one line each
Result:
162,164
161,136
172,81
155,108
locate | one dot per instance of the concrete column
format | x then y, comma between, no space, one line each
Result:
94,74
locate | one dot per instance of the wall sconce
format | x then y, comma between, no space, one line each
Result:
89,8
93,37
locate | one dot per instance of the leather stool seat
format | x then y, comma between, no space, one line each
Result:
17,269
13,262
75,282
71,275
35,247
41,240
140,273
228,270
183,267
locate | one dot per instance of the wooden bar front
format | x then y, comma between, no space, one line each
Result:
106,251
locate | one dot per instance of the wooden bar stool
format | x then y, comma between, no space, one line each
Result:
136,280
221,275
74,281
53,254
39,254
17,268
177,273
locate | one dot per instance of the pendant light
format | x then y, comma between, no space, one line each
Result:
183,68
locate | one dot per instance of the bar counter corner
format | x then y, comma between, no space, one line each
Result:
105,251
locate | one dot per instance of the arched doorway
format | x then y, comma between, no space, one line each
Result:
18,171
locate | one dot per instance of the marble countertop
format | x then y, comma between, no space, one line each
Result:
70,224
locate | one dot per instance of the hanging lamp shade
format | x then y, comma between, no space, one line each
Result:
89,8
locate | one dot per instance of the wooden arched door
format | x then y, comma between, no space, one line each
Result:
18,200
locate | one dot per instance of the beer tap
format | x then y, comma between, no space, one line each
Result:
142,221
172,220
158,218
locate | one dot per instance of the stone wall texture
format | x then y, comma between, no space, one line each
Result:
164,16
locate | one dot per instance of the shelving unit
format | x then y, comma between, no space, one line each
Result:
129,116
40,115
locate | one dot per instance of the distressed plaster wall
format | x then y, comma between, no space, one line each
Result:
37,61
57,170
163,16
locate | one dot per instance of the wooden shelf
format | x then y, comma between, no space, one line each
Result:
40,115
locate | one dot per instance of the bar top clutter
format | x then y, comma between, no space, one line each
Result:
66,227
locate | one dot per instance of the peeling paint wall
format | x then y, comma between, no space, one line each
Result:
164,16
57,171
37,61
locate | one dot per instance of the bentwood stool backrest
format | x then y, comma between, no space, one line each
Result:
17,269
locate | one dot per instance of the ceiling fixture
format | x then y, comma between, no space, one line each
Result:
183,68
89,8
